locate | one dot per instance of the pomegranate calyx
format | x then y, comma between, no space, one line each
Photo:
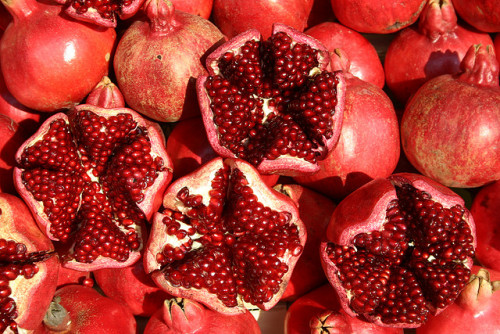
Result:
106,95
20,9
160,14
329,322
184,315
479,289
340,61
480,66
437,18
57,318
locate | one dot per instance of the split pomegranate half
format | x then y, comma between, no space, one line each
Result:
273,103
399,249
225,238
92,178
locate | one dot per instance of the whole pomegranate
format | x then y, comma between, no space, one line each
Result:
435,47
81,309
225,238
185,316
28,274
158,59
481,14
378,17
365,62
451,127
92,178
368,146
398,250
273,102
474,311
484,209
234,17
55,67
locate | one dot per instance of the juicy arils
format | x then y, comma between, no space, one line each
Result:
92,178
272,103
225,238
399,249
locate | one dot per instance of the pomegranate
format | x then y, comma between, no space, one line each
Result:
272,103
184,316
481,14
92,178
11,138
399,249
319,312
225,238
234,17
474,311
484,210
55,67
81,309
158,59
451,127
28,273
131,287
201,8
101,13
69,276
106,95
434,47
369,142
189,152
315,211
377,17
365,62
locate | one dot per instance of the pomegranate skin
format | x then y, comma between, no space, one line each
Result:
55,67
201,8
368,146
435,47
234,17
451,127
10,140
157,60
365,63
378,17
485,208
481,14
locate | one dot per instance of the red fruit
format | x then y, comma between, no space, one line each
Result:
399,249
272,103
481,14
474,311
319,311
201,8
369,142
234,17
451,127
158,59
434,47
225,238
315,211
28,273
54,67
81,309
184,316
106,95
378,17
92,179
104,14
365,62
131,287
484,209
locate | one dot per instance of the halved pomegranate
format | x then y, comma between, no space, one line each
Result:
272,103
92,178
225,238
399,249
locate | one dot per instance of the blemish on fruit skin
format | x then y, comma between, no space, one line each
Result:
107,56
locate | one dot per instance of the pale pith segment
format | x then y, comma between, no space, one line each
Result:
90,173
234,246
270,99
415,265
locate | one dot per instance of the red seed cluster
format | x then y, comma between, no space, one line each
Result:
106,8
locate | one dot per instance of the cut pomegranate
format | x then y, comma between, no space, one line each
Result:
399,249
272,103
225,238
92,178
28,270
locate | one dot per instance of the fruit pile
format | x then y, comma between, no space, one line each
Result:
223,166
